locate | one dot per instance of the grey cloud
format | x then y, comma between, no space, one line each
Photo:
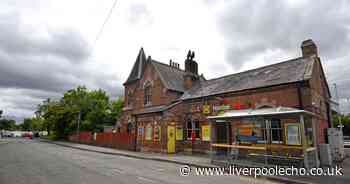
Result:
39,65
255,28
64,43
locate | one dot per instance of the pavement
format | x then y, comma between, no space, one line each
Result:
201,161
25,161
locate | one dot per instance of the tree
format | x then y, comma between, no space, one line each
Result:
92,108
6,124
117,108
1,113
27,124
345,121
37,124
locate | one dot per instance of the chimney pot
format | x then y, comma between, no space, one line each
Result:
309,48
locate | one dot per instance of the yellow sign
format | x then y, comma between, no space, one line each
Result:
171,139
206,133
206,109
179,134
148,132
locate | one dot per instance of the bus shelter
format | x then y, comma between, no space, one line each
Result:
268,136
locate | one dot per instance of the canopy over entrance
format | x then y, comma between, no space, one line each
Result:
261,112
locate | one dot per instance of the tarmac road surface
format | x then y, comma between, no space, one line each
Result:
24,161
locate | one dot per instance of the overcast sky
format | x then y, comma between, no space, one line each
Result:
48,46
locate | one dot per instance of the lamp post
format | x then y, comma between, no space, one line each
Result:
338,107
78,127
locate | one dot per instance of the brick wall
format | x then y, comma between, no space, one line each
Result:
121,140
319,100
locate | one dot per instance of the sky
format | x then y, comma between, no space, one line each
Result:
50,46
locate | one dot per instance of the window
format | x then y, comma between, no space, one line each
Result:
309,132
193,126
149,132
129,128
276,131
129,99
251,131
293,134
157,133
147,94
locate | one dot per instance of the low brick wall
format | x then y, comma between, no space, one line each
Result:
123,141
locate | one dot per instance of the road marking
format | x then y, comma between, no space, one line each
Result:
159,169
128,158
120,171
145,179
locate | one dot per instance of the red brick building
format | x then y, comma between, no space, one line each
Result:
168,108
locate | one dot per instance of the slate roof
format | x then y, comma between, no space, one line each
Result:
159,108
171,77
137,69
294,70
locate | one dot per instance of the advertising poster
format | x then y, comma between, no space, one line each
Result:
206,133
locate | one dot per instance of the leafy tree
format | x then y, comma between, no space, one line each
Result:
345,121
92,108
1,113
37,124
117,108
6,124
27,124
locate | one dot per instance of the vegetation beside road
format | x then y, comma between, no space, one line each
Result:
345,121
92,108
8,124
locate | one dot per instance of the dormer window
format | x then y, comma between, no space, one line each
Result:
147,93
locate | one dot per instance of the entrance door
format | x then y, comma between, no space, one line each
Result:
171,139
221,133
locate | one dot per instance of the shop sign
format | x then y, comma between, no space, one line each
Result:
179,134
195,108
148,132
206,133
221,108
206,109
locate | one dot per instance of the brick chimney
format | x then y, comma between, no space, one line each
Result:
191,69
191,65
309,48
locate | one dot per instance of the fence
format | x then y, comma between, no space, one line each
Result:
123,140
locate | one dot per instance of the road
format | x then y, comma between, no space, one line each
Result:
33,162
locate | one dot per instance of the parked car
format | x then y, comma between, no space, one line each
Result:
36,134
17,134
27,136
7,134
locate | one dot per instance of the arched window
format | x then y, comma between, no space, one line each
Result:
129,128
192,126
147,93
